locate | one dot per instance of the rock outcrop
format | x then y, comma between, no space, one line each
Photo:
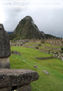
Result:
4,43
4,48
19,80
26,29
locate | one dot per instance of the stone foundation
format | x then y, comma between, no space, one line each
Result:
4,63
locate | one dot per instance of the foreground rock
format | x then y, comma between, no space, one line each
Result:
16,79
4,48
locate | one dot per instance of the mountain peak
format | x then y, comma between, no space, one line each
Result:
26,29
28,18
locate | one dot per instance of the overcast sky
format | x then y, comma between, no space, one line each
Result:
47,14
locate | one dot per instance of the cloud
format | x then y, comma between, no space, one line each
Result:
14,3
46,3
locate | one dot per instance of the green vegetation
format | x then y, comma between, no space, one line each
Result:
47,82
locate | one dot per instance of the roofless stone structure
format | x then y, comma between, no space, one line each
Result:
12,80
4,48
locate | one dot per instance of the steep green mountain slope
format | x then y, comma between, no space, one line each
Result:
26,29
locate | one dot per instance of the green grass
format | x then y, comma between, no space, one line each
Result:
27,60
